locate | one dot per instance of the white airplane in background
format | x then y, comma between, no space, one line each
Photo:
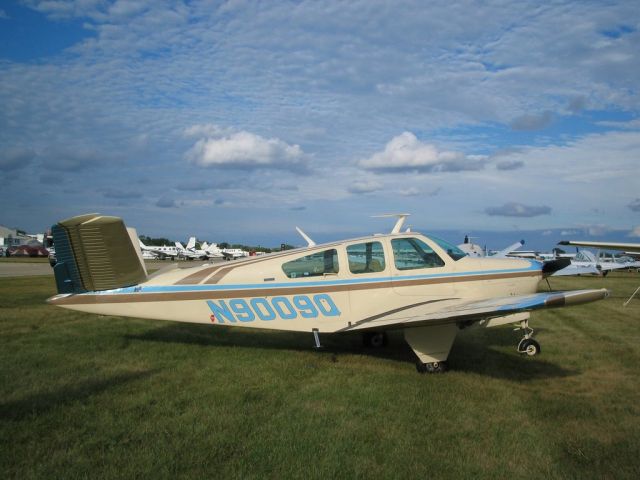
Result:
630,248
213,250
190,252
162,252
586,262
476,251
234,253
405,281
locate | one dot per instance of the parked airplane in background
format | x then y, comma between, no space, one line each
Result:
629,248
476,251
234,253
398,281
162,252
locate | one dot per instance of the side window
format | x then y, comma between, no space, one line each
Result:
411,253
366,257
313,265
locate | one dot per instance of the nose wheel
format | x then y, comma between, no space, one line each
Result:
528,346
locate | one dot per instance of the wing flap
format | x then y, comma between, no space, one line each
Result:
470,311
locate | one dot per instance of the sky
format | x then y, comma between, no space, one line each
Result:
238,120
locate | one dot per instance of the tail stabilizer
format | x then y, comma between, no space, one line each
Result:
94,253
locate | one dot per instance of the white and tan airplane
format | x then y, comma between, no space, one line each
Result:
397,281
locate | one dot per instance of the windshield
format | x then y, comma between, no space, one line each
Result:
454,252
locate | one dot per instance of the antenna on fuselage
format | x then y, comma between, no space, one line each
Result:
399,223
310,243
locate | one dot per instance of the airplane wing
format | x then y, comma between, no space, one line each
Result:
503,253
629,247
475,310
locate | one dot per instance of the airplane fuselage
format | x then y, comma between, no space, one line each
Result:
327,287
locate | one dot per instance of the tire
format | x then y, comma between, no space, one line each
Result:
434,367
375,339
529,347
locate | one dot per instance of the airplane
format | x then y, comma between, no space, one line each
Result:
585,262
188,252
234,253
474,250
405,281
629,248
213,251
162,252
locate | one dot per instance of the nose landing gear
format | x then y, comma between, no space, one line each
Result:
528,345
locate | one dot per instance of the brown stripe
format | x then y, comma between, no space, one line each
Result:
197,277
220,274
391,312
267,292
555,301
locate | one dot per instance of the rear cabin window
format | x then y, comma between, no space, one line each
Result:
412,253
314,265
366,257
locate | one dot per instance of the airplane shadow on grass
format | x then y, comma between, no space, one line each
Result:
40,403
480,352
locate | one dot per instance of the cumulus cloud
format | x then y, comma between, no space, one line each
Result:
364,186
635,233
531,122
166,202
243,150
405,153
513,209
635,205
409,192
15,159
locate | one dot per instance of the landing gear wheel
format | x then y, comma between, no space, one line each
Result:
529,347
375,339
433,367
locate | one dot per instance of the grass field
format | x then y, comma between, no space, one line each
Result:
105,397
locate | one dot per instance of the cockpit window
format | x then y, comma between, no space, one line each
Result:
412,253
314,265
366,257
454,252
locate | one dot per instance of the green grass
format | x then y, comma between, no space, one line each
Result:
85,396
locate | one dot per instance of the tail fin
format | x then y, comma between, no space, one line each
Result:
192,243
179,246
96,252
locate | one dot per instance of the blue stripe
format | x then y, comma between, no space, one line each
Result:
535,301
533,266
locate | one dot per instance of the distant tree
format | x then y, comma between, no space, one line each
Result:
156,242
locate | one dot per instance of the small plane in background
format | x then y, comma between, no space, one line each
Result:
632,249
586,263
405,281
162,252
476,251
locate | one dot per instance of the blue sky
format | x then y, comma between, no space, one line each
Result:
237,120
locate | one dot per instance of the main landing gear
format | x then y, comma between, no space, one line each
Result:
528,346
432,367
375,339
